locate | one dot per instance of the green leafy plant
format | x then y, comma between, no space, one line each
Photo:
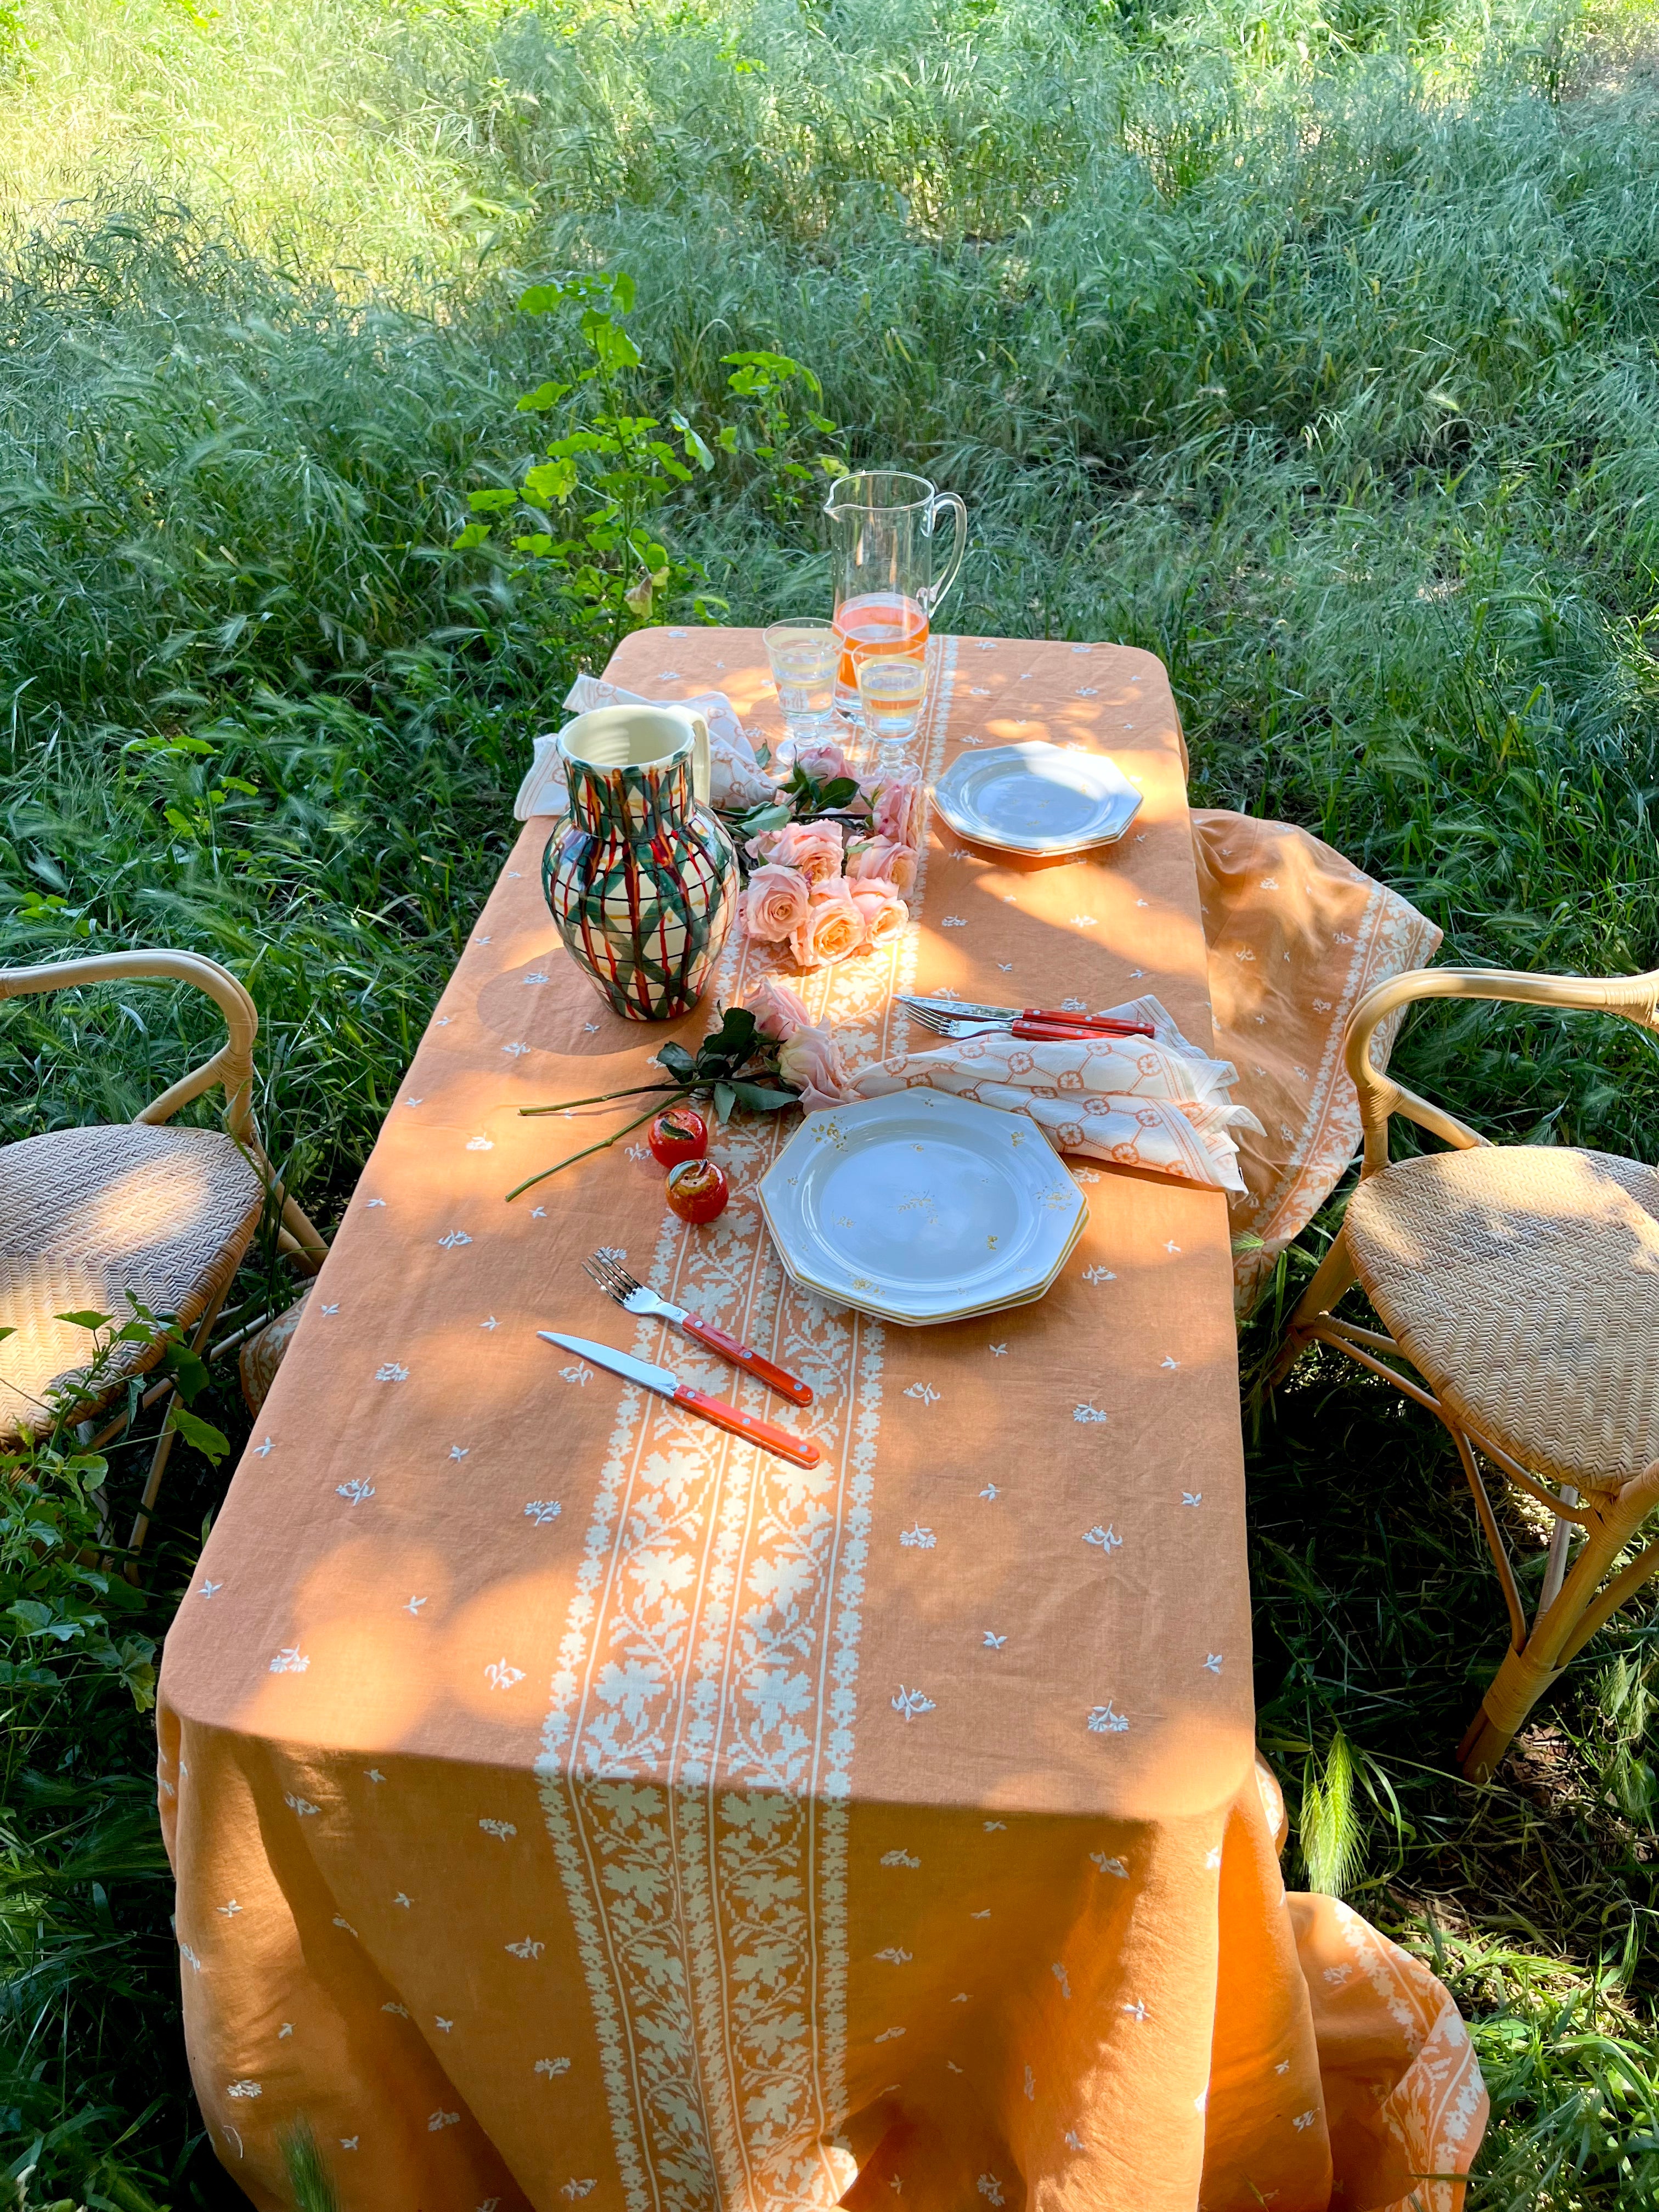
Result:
784,397
593,503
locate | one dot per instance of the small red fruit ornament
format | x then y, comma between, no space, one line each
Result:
697,1190
679,1132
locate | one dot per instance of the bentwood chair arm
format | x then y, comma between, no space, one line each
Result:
1635,997
231,1066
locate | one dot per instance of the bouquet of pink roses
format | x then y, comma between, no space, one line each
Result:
832,860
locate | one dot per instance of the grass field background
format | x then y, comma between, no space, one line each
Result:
1311,347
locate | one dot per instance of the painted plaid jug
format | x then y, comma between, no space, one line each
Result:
641,879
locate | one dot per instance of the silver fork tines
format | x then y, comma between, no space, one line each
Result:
617,1283
951,1025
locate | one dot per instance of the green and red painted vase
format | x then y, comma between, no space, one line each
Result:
641,880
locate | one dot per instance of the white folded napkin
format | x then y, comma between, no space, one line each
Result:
737,778
1155,1102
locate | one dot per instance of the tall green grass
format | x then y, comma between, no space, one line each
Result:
1311,346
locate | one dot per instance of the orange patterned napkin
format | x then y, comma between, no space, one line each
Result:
1155,1102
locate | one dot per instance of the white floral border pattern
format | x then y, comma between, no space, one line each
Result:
696,1757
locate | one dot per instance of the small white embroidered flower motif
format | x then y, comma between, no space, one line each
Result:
552,2067
231,1910
1084,920
639,1152
538,1213
515,1049
210,1590
918,1538
1283,2067
1031,2086
1337,1975
480,1144
541,1510
1088,691
1098,1275
441,2119
349,2142
413,1607
356,1489
993,1641
1213,1662
616,1252
1212,1858
991,1826
491,1323
1321,1005
390,1372
1270,883
481,940
302,1807
925,1391
985,1914
414,1101
1171,1246
1006,966
998,1351
285,2031
990,1491
1062,1977
1087,1413
374,1774
954,922
1192,1496
1107,1538
334,1309
501,1676
404,1898
526,1947
1302,2120
459,1451
1103,1720
263,1451
536,976
1137,2011
1071,2139
500,1829
895,1955
899,1858
290,1660
1167,1362
443,2026
889,2035
186,1952
370,1203
1109,1865
580,1376
244,2089
455,1237
401,2011
575,2189
989,2187
909,1703
346,1925
1243,952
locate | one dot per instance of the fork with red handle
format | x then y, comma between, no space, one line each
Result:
951,1017
633,1296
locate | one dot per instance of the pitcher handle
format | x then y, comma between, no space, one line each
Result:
950,500
703,774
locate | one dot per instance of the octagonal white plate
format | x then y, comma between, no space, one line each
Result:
1036,798
994,1305
922,1207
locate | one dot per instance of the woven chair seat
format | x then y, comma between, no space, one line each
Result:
89,1215
1522,1281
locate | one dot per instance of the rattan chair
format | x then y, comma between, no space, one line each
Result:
1522,1283
89,1216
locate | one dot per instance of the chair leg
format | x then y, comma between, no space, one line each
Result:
163,1451
307,1239
1333,1275
1555,1567
1559,1631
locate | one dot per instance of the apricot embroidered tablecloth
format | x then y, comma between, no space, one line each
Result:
570,1805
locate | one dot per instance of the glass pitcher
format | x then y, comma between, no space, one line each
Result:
882,544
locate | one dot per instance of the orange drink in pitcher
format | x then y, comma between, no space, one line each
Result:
881,546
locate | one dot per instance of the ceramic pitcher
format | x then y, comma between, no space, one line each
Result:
641,879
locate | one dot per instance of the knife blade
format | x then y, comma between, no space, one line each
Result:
666,1384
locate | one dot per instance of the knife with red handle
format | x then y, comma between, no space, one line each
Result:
801,1450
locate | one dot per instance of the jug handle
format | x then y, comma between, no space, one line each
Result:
942,501
702,778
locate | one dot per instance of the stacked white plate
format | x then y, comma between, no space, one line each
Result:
920,1208
1035,798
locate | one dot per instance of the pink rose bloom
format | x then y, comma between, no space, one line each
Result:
879,861
814,847
898,810
776,902
823,762
884,912
832,929
762,846
812,1059
778,1011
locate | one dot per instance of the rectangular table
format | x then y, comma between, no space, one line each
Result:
569,1804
